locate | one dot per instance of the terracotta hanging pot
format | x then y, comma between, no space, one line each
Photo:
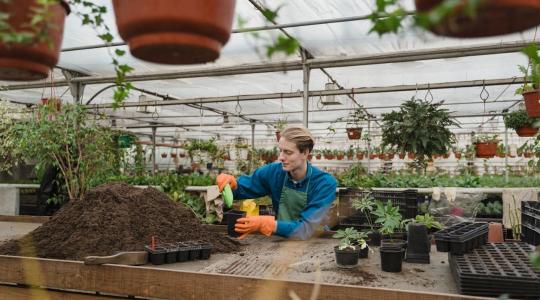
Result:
486,150
354,133
527,131
175,31
31,61
360,156
493,17
532,103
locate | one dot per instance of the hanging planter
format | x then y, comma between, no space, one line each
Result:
160,32
527,131
532,103
494,17
35,59
354,133
164,155
486,150
173,154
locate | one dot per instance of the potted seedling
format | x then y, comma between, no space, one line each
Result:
359,153
418,239
339,154
486,145
354,130
392,249
164,154
346,252
521,123
457,152
328,154
280,126
530,90
366,205
500,151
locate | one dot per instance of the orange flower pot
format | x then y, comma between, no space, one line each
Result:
527,131
175,31
532,103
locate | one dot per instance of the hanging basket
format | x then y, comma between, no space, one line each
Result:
354,133
175,31
493,17
486,150
532,103
31,61
527,131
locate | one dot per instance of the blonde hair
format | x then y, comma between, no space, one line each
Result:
300,136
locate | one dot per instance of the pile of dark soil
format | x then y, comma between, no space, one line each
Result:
112,218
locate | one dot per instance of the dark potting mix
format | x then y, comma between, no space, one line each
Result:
112,218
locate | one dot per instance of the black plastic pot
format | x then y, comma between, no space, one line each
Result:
209,166
395,244
391,259
374,238
171,256
346,258
232,216
418,244
364,252
183,252
206,250
461,238
157,255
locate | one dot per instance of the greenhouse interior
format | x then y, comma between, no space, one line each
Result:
288,149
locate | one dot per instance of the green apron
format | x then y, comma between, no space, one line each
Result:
292,202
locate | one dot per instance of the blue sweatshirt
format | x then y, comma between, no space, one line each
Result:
268,181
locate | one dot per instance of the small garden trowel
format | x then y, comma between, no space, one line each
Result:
227,195
132,258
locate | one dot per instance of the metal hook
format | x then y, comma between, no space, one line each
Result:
428,93
155,114
320,106
483,96
416,91
238,107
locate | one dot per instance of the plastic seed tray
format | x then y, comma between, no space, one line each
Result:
178,252
530,222
461,238
496,269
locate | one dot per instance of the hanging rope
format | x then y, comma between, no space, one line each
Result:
155,114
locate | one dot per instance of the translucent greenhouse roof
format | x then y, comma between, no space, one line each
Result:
334,41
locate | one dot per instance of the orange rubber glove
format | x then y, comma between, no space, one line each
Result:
223,179
264,224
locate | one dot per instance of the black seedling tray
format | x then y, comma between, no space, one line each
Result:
179,252
495,269
461,238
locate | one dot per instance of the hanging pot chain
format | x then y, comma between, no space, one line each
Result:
428,93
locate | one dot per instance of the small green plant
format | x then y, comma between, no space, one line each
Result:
532,72
517,119
425,219
535,258
388,216
280,124
350,238
365,205
513,217
485,138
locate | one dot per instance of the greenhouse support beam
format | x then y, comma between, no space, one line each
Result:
252,135
154,129
507,150
318,93
305,94
76,88
315,63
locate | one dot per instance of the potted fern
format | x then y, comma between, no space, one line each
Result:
366,205
520,122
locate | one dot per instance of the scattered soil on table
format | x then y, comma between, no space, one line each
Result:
366,277
112,218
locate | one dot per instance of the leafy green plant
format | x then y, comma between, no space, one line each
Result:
280,124
425,219
485,138
389,14
532,71
388,216
517,119
420,127
365,205
71,140
513,216
349,238
281,43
